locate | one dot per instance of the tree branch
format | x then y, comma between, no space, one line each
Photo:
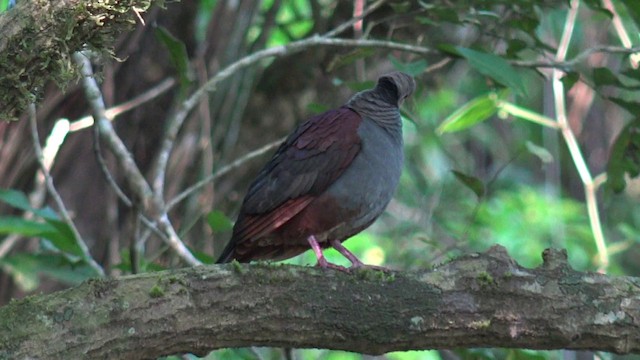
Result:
479,300
38,38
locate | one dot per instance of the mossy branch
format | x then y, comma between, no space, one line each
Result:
39,36
479,300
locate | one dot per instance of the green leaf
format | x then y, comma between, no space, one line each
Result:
570,79
625,157
515,46
317,108
360,85
494,67
473,183
631,73
203,257
24,227
630,106
218,221
400,7
19,200
413,68
603,76
543,154
63,238
633,8
26,269
596,5
341,60
423,20
56,231
179,57
15,198
473,112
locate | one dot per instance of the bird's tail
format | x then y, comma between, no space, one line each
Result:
228,253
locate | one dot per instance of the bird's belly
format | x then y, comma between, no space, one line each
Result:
363,191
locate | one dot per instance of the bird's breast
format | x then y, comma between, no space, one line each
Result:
368,184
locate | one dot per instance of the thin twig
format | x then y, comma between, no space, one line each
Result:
346,25
114,111
56,196
625,39
570,139
102,164
222,171
36,197
568,64
149,201
526,114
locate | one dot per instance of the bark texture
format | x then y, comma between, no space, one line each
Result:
480,300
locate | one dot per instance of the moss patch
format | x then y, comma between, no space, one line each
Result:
40,36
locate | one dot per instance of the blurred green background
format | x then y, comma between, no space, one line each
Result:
475,175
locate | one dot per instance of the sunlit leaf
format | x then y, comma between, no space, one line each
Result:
473,112
218,221
494,67
473,183
625,157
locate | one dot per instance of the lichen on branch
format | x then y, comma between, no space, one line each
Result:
38,38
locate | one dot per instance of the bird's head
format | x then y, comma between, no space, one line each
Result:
395,87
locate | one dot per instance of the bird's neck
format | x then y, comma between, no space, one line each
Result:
371,105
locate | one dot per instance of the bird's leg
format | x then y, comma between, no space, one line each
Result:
322,262
355,262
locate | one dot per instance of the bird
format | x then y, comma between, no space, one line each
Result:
330,179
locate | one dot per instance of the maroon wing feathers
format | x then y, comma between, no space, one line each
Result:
304,166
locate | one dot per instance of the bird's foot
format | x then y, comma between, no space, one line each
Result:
356,264
324,264
362,266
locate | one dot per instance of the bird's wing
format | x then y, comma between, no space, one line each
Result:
304,166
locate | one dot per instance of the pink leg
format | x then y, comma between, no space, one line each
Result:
355,262
322,262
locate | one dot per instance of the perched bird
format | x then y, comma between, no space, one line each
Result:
329,180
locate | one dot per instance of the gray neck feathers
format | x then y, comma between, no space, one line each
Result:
371,105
